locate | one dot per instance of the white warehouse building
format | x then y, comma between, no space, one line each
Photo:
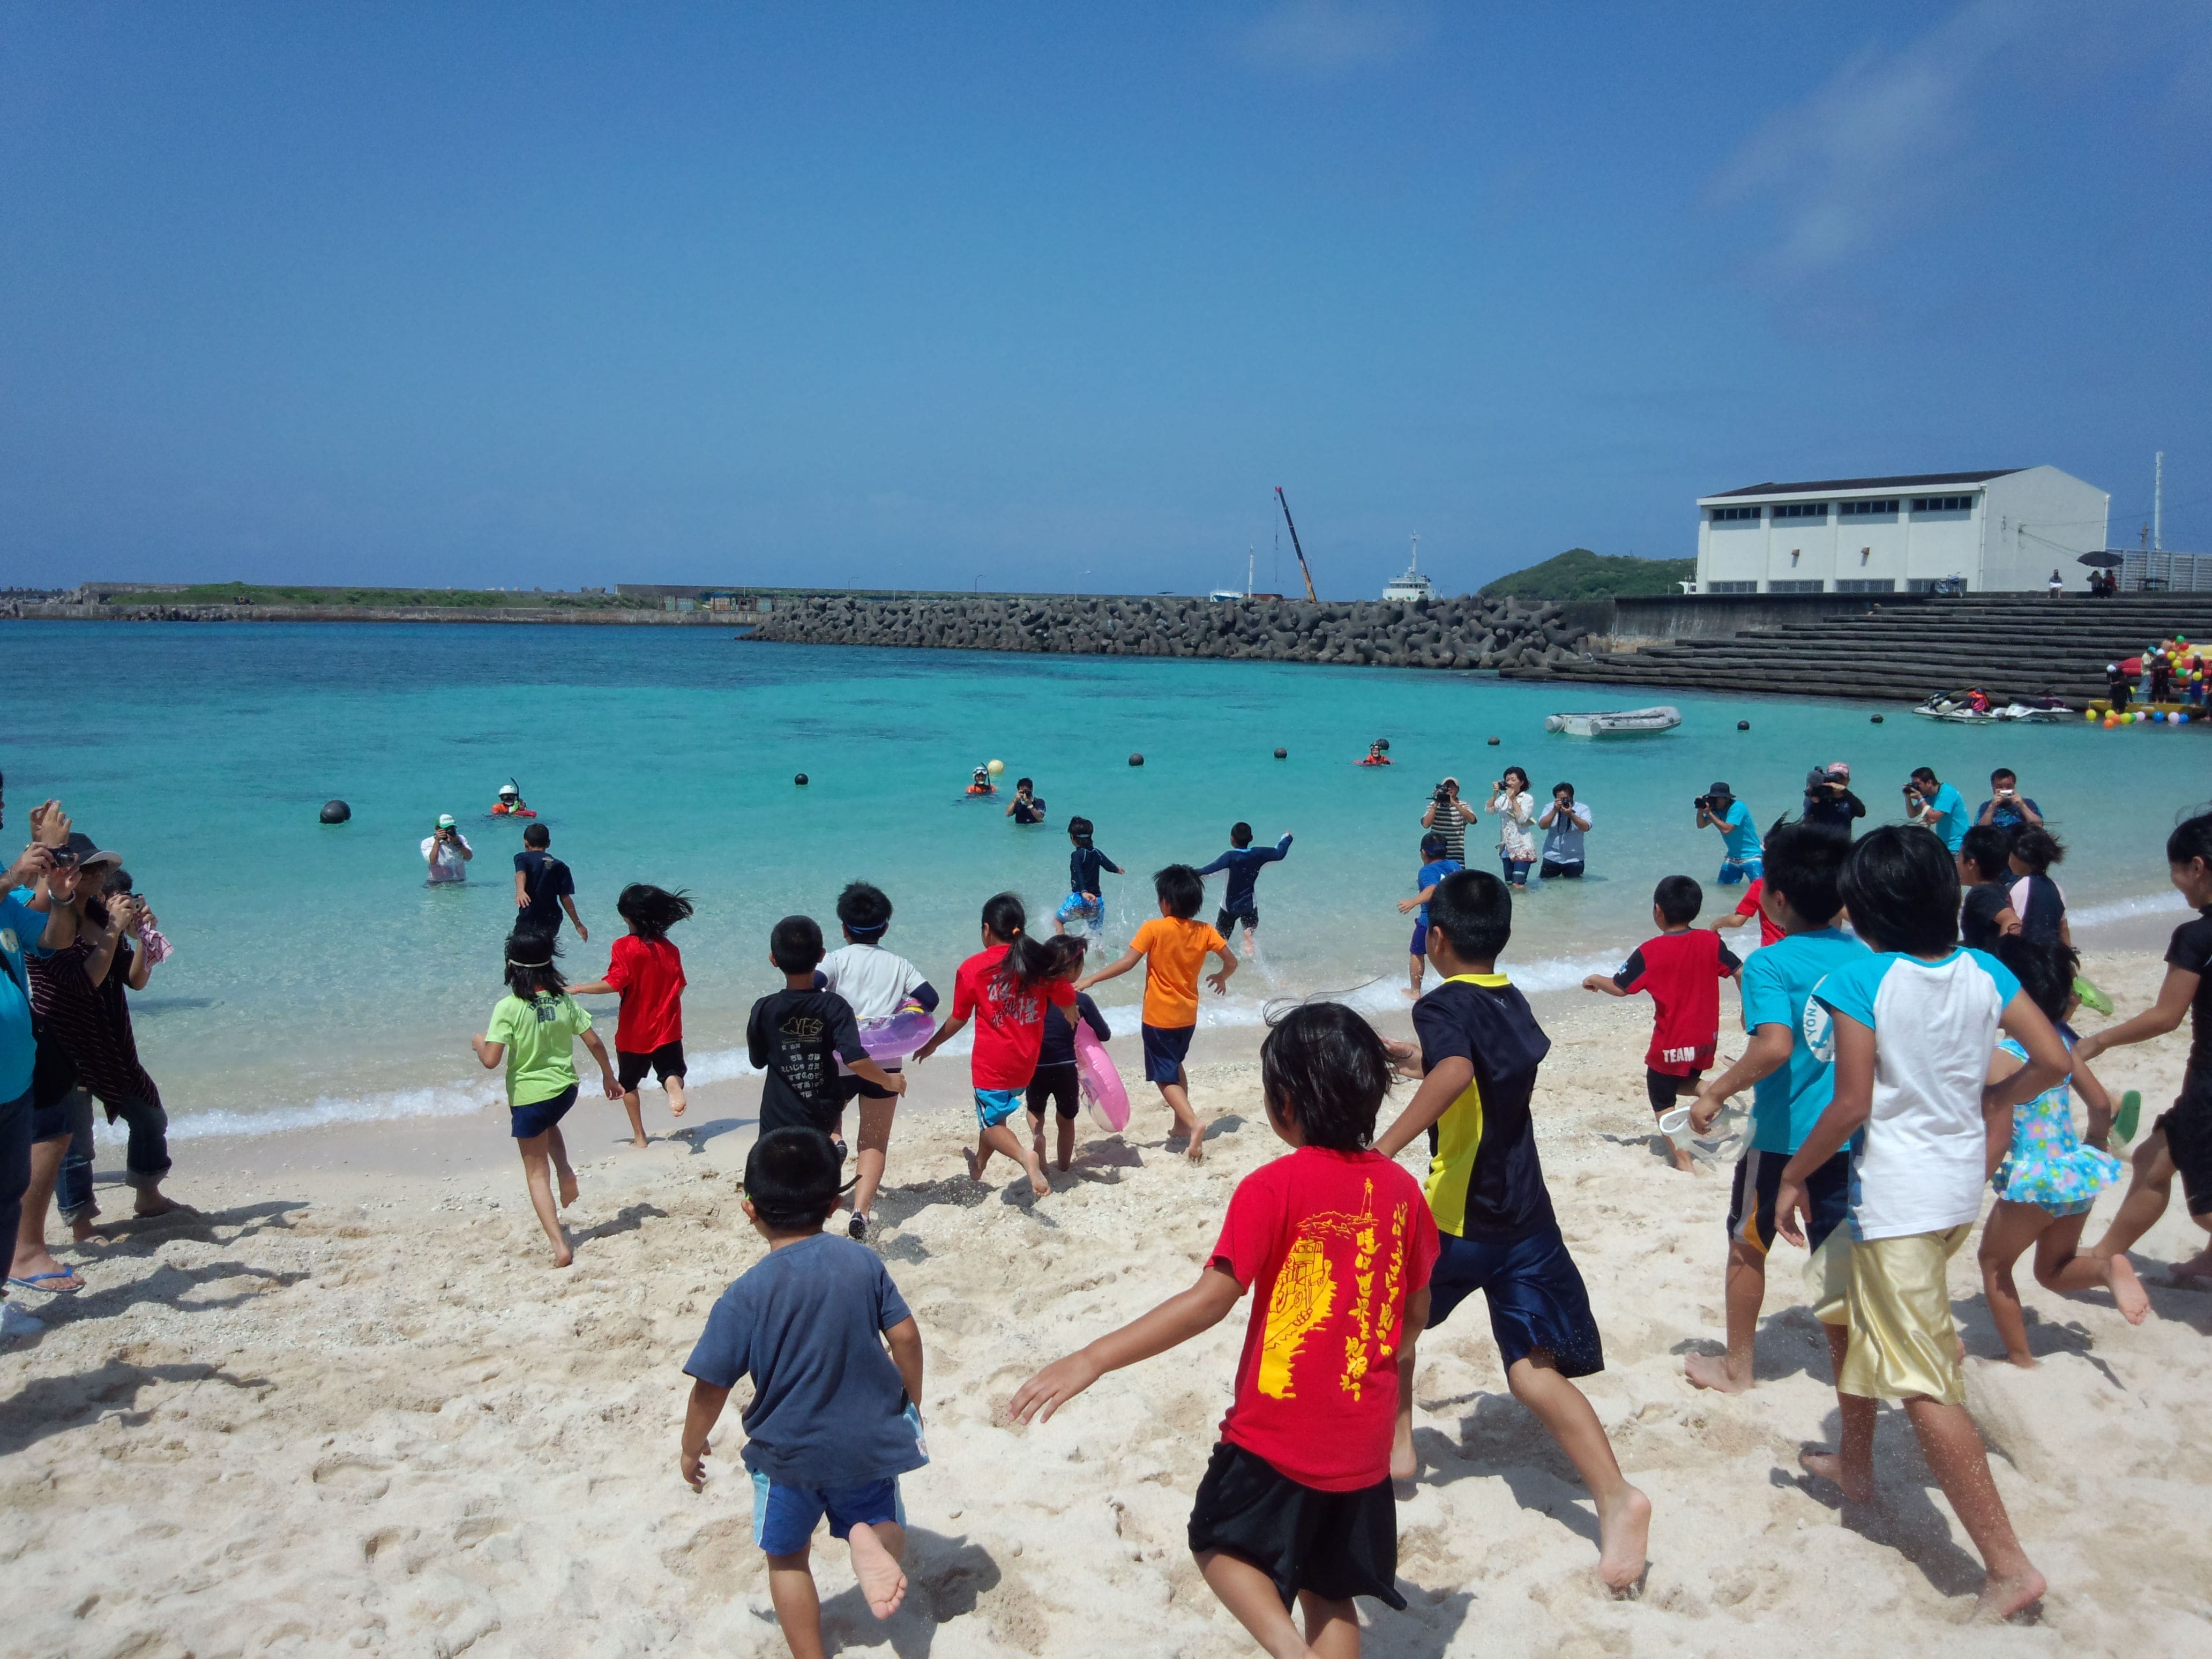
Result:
2004,532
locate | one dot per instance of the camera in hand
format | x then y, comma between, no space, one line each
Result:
1706,803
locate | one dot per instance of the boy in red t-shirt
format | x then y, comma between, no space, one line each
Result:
1682,969
1747,907
648,972
1009,983
1336,1241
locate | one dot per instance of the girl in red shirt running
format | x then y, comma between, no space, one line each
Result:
648,972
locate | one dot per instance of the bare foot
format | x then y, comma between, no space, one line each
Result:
1623,1530
1405,1461
676,1105
2026,1362
1037,1147
1711,1371
641,1143
2001,1598
151,1200
882,1585
1197,1153
2127,1293
2194,1274
974,1169
1683,1161
86,1232
568,1191
1829,1467
563,1256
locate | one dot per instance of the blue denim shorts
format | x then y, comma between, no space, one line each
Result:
994,1106
785,1517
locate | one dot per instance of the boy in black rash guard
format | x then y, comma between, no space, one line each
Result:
1479,1049
1243,861
798,1034
1084,865
1056,1081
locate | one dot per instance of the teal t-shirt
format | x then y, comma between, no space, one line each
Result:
1741,834
539,1035
1777,990
1953,805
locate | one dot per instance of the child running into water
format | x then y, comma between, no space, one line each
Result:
2180,1142
833,1420
2049,1179
1914,1025
531,1030
1336,1244
1479,1046
646,972
1436,863
1084,900
1682,970
1789,1065
1056,1082
797,1034
1173,948
879,984
1006,987
1243,862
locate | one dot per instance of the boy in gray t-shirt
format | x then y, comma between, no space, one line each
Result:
834,1420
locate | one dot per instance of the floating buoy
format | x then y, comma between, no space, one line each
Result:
1493,742
996,767
800,780
1743,726
1282,754
336,811
1136,760
1877,719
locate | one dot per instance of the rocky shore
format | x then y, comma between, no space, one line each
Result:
1456,632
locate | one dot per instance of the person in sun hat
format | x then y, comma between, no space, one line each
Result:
1719,809
447,851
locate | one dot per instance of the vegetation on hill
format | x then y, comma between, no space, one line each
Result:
1579,574
369,597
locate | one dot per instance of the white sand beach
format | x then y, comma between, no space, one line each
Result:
350,1407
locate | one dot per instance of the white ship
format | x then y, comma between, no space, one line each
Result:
1405,589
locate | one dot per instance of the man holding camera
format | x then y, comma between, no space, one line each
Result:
1448,819
1828,798
2007,809
1719,809
1934,804
447,851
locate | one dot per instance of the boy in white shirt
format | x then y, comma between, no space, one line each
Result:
1915,1026
878,984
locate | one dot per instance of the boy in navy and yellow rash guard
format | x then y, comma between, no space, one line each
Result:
1479,1049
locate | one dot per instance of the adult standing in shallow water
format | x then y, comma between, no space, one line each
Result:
447,851
1514,809
1565,822
1448,816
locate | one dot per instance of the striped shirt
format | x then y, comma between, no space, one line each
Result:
91,1024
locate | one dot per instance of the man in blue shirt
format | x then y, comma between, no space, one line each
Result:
1789,1066
20,926
1936,806
1719,809
2007,809
1243,861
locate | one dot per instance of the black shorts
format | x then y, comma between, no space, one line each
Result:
664,1062
1336,1544
1661,1088
1055,1085
859,1088
1228,919
2188,1131
1536,1295
1552,871
1758,1178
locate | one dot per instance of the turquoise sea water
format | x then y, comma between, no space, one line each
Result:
317,978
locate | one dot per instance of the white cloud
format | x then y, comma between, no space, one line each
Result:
1332,37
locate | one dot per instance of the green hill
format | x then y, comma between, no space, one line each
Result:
1579,574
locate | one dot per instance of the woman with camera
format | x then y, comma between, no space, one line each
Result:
1514,809
1448,816
1565,822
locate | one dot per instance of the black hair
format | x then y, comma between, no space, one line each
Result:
117,881
530,972
2191,839
1475,912
1181,888
1569,788
1028,962
1802,863
653,910
1240,834
1520,772
1079,831
537,835
1025,783
794,943
1985,847
1434,841
2038,848
1323,1068
2004,772
1678,898
1003,916
1925,774
1902,889
863,909
1067,951
2045,969
792,1179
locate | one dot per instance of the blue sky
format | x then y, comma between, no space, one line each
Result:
1050,297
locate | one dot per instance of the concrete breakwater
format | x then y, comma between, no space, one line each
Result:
1456,632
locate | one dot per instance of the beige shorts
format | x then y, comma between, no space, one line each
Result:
1904,1345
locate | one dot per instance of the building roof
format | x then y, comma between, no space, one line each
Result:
1903,481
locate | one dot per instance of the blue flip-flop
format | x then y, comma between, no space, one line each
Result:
36,1282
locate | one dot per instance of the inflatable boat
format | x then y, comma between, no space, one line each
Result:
1615,722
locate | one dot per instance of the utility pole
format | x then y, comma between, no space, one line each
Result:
2158,503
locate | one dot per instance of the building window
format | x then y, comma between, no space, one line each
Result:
1943,504
1731,588
1868,585
1731,514
1802,510
1863,509
1924,584
1796,587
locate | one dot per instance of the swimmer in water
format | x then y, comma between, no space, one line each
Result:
982,785
1377,753
510,802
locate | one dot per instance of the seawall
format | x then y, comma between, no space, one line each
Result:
1455,633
